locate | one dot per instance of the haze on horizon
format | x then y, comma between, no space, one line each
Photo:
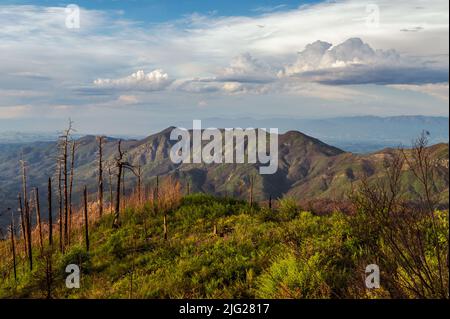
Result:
137,65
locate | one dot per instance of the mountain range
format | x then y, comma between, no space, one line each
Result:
308,169
357,134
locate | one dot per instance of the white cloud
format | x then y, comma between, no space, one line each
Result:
246,69
155,80
128,99
245,74
355,62
198,52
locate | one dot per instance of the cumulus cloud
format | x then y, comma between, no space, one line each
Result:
155,80
246,69
244,74
355,62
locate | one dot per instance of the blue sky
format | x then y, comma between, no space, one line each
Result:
153,11
135,67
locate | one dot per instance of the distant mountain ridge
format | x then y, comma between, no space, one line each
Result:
359,134
308,168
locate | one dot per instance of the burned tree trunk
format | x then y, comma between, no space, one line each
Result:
119,165
110,190
38,218
86,219
65,155
123,188
27,215
117,210
100,175
13,248
29,238
60,199
22,221
50,217
165,226
66,192
72,170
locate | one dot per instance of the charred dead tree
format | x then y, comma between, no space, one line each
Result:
29,236
13,247
22,222
86,218
65,187
165,226
50,215
111,204
72,171
60,210
64,142
100,141
27,215
38,218
120,163
123,188
24,206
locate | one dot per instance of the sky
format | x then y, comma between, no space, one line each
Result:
135,67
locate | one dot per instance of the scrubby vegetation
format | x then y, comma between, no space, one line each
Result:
216,248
